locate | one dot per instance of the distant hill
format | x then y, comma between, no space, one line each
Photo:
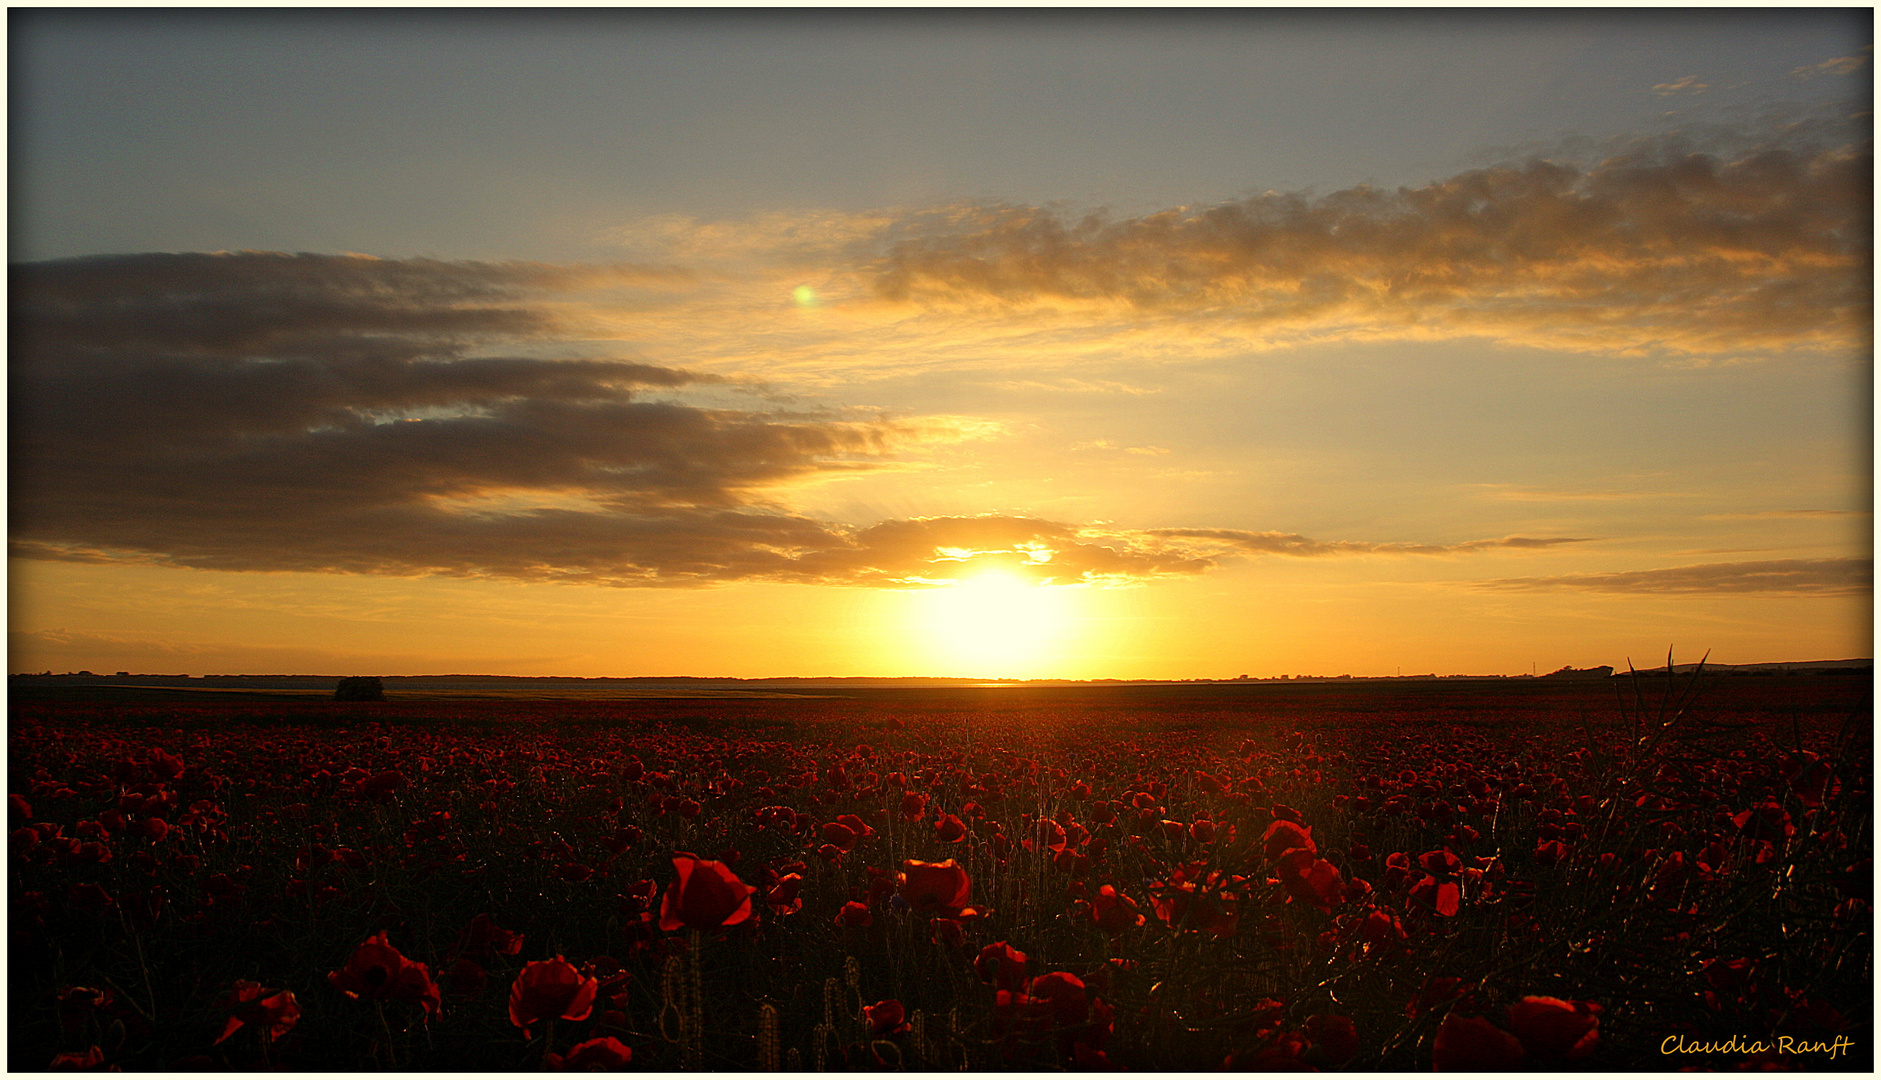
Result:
1763,669
1601,672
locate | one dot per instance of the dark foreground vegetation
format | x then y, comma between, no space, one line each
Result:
1358,876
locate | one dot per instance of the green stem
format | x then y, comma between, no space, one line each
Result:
391,1054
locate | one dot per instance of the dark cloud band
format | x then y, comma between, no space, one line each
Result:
1802,577
339,414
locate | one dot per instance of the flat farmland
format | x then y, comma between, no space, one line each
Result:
1598,874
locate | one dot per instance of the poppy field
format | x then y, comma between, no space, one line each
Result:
1651,874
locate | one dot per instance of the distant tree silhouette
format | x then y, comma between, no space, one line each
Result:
360,688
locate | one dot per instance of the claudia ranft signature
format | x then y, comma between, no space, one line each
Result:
1738,1044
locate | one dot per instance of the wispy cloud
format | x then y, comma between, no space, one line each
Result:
1076,386
1514,494
1280,543
1113,447
1777,514
1841,65
1805,577
1687,85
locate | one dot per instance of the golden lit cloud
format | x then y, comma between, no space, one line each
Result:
1699,249
1673,252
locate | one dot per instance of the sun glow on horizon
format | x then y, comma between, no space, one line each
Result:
998,624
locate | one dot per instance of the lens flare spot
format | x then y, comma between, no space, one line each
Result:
804,295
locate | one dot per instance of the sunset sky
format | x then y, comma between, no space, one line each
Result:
1067,344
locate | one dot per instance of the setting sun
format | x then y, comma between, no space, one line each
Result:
996,624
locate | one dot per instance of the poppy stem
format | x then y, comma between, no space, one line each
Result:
548,1043
391,1053
143,966
694,1055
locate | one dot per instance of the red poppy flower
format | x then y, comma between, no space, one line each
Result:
252,1003
1283,836
1472,1044
1114,912
706,896
782,897
1280,1055
1051,835
1016,1012
605,1054
949,829
483,939
1551,1028
1765,821
1185,905
634,900
550,990
77,1004
165,766
857,825
913,806
1310,880
1810,778
948,932
935,888
885,1018
1381,928
377,971
1000,964
1440,862
77,1060
1442,897
1063,993
855,915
